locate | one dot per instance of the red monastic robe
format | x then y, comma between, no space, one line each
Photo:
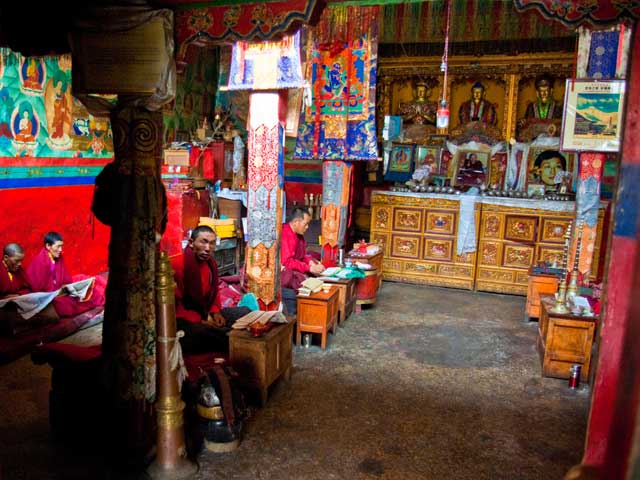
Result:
294,257
196,287
47,275
14,283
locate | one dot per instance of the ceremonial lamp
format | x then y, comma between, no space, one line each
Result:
561,297
572,291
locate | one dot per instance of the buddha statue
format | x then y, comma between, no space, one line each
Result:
545,107
477,109
420,111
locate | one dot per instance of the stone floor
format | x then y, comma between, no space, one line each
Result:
428,384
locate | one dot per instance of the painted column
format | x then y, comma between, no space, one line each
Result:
336,185
615,391
129,331
267,110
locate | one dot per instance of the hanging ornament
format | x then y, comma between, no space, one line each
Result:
442,114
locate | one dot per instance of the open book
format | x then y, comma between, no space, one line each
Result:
32,303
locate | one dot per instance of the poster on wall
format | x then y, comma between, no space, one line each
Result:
593,115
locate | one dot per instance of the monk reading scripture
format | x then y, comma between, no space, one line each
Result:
198,311
14,282
297,265
47,272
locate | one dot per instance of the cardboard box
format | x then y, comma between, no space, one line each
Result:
176,157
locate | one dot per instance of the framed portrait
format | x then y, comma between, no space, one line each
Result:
472,168
545,166
428,155
400,165
593,115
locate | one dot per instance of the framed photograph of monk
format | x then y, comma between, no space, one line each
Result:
400,162
472,168
428,155
549,167
593,115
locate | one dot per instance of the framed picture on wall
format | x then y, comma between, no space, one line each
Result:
472,168
400,162
547,165
428,155
593,115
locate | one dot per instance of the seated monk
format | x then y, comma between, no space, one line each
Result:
198,311
296,263
13,283
47,272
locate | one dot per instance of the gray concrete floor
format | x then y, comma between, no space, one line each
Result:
428,384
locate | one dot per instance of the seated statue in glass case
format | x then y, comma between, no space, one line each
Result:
477,109
544,115
421,111
419,116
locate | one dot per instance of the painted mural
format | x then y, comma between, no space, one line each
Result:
39,118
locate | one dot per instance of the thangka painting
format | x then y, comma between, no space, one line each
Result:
39,116
339,123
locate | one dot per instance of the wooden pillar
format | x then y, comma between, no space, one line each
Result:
267,113
129,330
616,390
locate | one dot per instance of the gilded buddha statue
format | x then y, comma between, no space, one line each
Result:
420,111
544,115
477,109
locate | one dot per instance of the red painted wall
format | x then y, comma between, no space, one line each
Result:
29,213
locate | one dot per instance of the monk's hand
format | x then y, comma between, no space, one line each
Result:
216,320
316,268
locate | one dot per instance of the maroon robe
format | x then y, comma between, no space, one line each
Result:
194,302
47,275
18,284
294,257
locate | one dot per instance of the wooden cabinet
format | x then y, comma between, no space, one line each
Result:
538,284
261,361
517,234
317,313
418,235
564,340
346,296
227,256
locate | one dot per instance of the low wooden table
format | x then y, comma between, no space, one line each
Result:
317,313
346,296
564,340
539,283
260,361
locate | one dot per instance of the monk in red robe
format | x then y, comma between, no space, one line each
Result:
296,263
14,282
47,272
198,311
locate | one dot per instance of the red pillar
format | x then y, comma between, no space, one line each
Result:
617,383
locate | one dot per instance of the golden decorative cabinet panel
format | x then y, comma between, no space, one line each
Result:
438,249
491,226
440,222
517,256
549,254
455,271
407,246
381,218
381,239
520,228
553,229
395,265
489,253
502,276
416,267
407,220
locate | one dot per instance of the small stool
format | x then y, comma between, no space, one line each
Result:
318,313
